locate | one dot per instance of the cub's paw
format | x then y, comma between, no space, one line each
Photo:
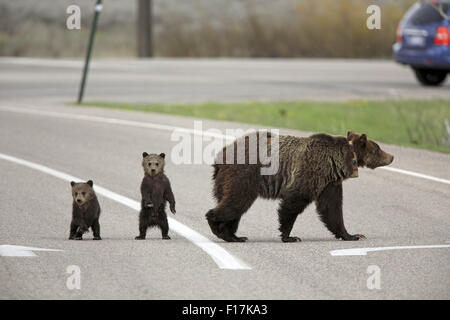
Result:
291,239
83,230
139,238
354,237
166,238
172,209
97,238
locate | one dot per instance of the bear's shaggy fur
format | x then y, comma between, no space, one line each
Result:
155,191
310,169
85,211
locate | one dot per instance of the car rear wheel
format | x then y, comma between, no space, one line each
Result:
430,77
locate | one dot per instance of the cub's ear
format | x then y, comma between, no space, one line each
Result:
72,183
349,133
90,183
144,154
363,140
162,155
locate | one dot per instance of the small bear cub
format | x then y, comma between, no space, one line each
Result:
85,211
155,191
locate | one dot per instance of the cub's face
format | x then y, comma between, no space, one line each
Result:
153,163
368,152
82,192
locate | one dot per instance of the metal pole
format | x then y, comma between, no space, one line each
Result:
144,28
98,8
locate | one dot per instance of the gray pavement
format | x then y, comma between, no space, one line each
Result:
200,80
390,208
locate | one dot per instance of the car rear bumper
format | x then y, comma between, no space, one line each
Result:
436,57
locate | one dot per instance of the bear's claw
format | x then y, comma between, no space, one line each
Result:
240,239
291,239
354,237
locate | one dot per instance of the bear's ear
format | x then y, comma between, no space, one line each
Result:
144,154
363,140
90,183
72,183
350,133
162,155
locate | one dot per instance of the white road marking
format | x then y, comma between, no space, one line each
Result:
415,174
173,128
363,251
130,123
220,256
7,250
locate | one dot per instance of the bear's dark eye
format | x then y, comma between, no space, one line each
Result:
76,193
157,164
149,163
83,193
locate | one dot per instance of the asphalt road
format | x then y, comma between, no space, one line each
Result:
188,80
392,209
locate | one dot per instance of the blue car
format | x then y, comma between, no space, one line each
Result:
423,41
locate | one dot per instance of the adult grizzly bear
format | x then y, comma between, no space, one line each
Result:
310,169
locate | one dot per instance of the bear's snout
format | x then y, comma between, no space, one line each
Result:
388,159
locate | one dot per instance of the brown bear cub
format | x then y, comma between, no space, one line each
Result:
311,169
155,191
85,211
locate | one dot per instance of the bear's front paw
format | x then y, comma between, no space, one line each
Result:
172,209
354,237
97,238
166,238
240,239
291,239
139,238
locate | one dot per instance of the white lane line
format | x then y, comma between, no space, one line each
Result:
163,127
130,123
220,256
415,174
363,251
7,250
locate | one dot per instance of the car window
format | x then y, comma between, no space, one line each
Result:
426,13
